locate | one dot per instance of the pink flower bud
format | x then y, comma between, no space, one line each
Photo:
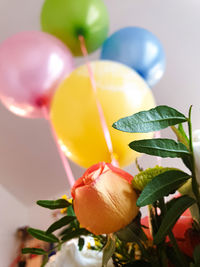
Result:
104,200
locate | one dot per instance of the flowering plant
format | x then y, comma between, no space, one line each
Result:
106,202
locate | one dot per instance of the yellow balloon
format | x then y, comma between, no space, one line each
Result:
121,92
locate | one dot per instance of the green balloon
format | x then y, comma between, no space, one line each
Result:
67,19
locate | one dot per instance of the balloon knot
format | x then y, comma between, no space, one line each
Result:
80,31
42,101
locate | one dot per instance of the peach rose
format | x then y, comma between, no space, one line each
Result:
104,200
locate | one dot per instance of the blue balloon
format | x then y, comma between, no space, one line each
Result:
139,49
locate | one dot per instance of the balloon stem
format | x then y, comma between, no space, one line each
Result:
63,158
99,107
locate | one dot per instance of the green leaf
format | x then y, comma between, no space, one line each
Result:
70,211
186,189
171,217
170,203
54,204
81,242
160,147
162,185
182,132
74,234
129,234
149,121
62,222
41,235
188,162
181,135
144,177
66,231
108,250
45,260
131,231
35,251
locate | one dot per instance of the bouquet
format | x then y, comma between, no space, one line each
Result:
106,202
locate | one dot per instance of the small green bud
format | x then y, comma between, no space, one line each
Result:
143,178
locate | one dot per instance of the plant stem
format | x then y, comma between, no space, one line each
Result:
150,213
162,250
179,255
162,207
138,166
195,186
163,256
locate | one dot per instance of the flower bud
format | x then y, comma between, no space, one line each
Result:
104,200
144,177
196,148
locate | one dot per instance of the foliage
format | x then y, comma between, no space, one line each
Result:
131,246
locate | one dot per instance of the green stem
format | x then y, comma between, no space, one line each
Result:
162,250
163,256
138,166
154,219
57,246
162,207
195,186
179,255
150,213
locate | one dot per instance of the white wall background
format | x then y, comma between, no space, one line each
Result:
30,168
13,214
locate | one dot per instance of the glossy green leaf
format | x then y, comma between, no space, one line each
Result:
74,234
108,250
160,147
141,179
162,185
34,251
188,162
41,235
66,230
149,121
170,203
54,204
59,224
171,217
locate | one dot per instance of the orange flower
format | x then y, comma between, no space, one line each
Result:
104,200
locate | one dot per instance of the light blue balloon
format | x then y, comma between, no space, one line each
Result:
139,49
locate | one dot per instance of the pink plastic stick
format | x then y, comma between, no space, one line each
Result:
63,158
100,110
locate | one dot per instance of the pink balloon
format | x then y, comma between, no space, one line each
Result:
32,65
